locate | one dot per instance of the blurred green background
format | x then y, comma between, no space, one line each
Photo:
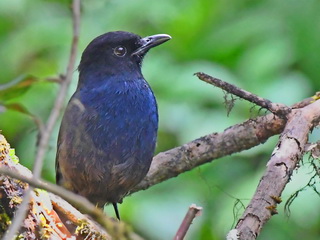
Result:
268,47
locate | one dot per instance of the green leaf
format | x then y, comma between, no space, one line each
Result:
16,87
18,107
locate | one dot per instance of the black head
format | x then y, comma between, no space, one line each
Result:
118,49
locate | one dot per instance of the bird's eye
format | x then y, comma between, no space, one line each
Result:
120,51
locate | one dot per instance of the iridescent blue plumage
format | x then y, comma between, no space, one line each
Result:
108,133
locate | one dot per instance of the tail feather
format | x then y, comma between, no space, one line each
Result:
115,206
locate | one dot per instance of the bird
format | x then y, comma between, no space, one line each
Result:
108,132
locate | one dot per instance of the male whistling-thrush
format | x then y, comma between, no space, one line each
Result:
108,133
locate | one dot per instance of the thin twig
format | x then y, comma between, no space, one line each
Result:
58,105
55,79
20,215
193,212
46,132
278,109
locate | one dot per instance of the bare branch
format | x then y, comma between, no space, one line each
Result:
279,109
193,212
237,138
283,161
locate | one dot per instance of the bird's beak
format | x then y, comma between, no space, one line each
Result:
150,42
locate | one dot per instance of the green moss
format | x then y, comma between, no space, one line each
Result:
5,221
84,229
12,154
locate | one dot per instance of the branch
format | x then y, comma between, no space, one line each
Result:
234,139
46,132
53,205
278,109
237,138
77,201
193,212
284,160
